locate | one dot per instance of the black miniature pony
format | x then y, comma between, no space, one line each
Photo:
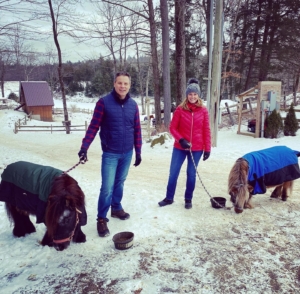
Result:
53,197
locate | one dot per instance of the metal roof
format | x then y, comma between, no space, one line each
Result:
37,93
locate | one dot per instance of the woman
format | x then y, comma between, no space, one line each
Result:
191,131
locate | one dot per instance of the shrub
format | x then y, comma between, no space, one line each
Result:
290,122
13,96
274,125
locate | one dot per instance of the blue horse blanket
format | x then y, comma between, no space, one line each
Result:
272,166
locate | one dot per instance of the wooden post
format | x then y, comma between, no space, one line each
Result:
258,114
51,129
250,105
16,127
230,116
85,125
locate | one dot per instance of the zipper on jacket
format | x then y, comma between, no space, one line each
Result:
192,128
124,128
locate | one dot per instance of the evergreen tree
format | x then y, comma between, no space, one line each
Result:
290,122
274,125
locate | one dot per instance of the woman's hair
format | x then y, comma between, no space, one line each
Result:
184,103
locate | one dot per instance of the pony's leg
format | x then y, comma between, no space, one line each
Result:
47,241
277,192
22,222
79,236
287,186
248,204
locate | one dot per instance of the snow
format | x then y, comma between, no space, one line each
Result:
175,250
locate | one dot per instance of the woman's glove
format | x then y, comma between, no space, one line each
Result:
206,155
82,155
138,159
184,144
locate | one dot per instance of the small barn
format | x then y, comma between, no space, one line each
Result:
36,98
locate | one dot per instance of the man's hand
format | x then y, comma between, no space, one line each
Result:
82,155
138,159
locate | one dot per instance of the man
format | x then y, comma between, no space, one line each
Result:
117,117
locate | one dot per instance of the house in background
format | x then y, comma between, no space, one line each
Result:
36,98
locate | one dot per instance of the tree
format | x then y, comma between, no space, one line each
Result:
216,73
290,122
147,13
274,125
180,6
166,62
60,8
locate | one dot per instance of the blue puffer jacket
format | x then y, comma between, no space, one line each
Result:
117,127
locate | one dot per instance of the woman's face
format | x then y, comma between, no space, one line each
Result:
193,97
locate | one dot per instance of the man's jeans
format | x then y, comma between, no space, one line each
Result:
114,170
178,157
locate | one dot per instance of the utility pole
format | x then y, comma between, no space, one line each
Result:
211,17
216,73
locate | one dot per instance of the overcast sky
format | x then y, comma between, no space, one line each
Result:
71,50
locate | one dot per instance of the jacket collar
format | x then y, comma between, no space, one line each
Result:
117,97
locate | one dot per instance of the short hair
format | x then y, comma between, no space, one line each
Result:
122,73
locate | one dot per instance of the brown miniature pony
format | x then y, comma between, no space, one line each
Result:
63,213
273,167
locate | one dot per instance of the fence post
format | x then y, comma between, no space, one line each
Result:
16,128
51,129
85,125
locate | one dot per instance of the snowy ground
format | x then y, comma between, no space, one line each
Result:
201,250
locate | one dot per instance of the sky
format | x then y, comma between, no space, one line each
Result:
71,50
175,250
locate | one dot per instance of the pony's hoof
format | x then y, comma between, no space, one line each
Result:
273,196
284,198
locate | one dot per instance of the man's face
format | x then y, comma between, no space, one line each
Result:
122,86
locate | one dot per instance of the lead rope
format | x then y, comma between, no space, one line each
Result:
81,161
211,198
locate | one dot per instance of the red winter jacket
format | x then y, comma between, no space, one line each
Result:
192,126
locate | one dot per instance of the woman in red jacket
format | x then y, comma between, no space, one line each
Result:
191,131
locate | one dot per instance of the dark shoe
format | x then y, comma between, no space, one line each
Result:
121,214
165,202
188,204
102,228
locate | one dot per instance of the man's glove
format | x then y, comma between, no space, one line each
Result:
206,155
138,159
184,144
82,155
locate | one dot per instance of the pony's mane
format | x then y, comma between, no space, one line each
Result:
65,192
238,175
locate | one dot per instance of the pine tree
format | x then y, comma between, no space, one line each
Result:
274,125
290,122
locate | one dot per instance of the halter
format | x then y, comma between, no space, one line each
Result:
72,233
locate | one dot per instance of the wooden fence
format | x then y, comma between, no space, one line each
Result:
56,110
21,126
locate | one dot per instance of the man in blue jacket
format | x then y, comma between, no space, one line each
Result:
117,117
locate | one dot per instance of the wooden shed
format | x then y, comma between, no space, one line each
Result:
36,98
262,93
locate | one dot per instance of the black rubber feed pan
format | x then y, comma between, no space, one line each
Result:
123,240
218,202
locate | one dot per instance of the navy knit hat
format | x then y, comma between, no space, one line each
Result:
193,87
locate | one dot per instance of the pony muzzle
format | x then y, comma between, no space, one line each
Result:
238,209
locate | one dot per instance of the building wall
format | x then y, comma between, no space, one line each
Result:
45,112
